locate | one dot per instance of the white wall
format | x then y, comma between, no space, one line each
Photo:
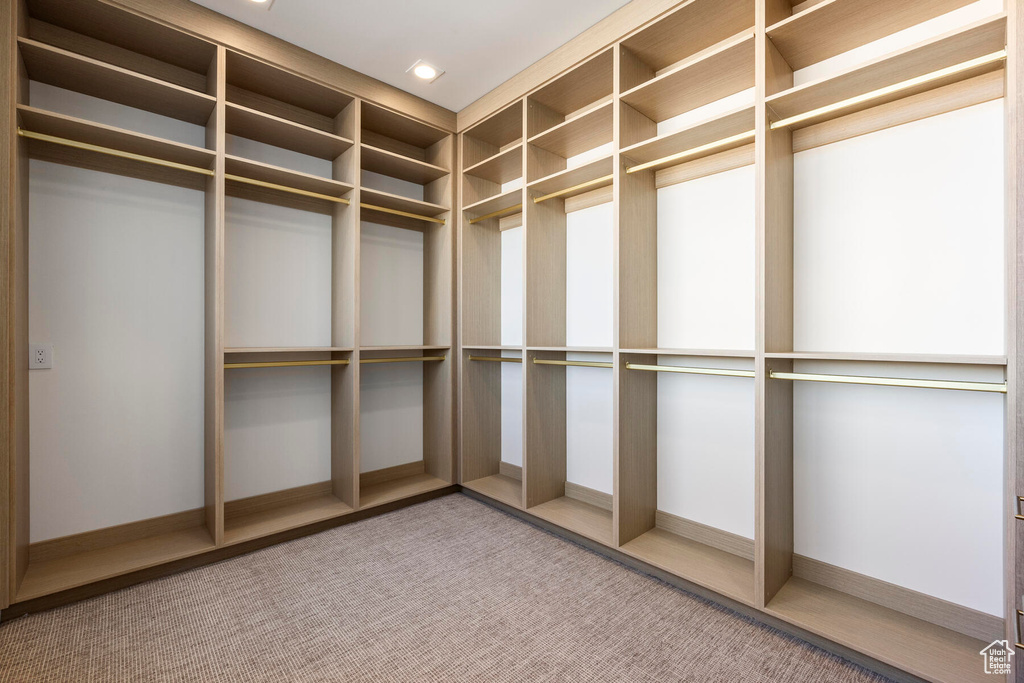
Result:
919,268
116,285
391,402
512,335
706,445
277,276
589,291
904,485
277,429
391,278
391,415
706,262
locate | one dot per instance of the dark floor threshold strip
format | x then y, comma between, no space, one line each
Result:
741,610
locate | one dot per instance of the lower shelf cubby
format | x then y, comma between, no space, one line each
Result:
569,466
289,444
686,473
405,407
492,423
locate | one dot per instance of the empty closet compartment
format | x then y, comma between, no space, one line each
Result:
897,505
806,34
288,440
569,448
289,140
492,423
405,413
134,103
687,83
569,127
405,170
492,158
289,393
687,467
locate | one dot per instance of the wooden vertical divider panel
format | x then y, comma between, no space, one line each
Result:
544,463
1014,552
635,201
774,326
345,314
215,249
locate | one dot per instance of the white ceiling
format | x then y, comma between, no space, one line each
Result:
479,43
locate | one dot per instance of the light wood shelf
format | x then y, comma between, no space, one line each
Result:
477,347
282,176
278,132
70,71
285,349
499,487
725,573
707,353
400,203
953,48
493,135
578,89
723,70
583,131
398,166
586,520
572,349
831,27
569,182
925,358
504,200
110,137
923,649
698,139
284,517
689,29
273,86
53,576
397,489
414,347
504,166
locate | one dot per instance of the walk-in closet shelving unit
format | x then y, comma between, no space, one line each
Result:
318,139
731,376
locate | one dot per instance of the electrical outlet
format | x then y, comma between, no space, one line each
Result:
40,356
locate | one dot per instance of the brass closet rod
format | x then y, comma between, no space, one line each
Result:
499,212
409,359
109,151
581,186
690,371
891,382
497,359
679,156
572,363
284,364
891,89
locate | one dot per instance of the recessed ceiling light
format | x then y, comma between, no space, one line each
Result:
424,71
264,4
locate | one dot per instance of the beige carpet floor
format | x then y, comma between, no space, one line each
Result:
449,590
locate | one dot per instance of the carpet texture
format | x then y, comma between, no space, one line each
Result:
449,590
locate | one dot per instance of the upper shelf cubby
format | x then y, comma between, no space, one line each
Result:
817,31
385,130
580,90
679,37
123,39
494,136
257,85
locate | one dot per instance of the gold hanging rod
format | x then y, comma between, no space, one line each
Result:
1020,514
891,89
572,363
285,188
497,359
284,364
596,181
892,382
690,371
749,135
410,359
499,212
112,152
384,209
